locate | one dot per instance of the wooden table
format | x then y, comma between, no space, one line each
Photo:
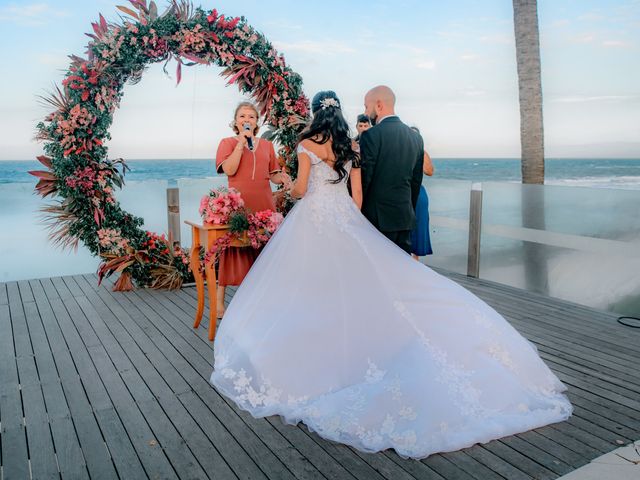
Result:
206,235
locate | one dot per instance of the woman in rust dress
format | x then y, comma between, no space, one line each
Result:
250,164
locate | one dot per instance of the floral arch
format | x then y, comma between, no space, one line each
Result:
78,171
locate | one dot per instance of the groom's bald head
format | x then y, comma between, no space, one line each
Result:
383,94
379,102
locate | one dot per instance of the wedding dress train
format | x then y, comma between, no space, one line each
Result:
337,327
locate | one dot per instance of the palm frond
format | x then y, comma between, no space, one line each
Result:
59,220
59,100
166,277
183,10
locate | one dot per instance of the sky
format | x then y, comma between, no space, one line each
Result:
451,64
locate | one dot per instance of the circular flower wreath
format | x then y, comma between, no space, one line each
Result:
78,170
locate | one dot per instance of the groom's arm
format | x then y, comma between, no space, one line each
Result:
368,154
416,179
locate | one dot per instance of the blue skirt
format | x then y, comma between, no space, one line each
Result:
420,239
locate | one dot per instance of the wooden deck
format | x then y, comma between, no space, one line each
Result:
96,384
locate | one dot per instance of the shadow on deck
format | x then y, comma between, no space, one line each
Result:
97,384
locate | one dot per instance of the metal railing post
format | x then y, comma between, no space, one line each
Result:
173,214
475,223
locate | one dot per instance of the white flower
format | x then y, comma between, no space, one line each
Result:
329,102
408,413
374,374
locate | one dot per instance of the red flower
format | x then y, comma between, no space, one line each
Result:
213,16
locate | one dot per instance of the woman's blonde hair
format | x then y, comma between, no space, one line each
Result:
250,105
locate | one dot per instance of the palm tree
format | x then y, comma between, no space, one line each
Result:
525,19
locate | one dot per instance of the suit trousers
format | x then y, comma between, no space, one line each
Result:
402,238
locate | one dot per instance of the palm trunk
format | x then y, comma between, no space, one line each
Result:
525,19
525,16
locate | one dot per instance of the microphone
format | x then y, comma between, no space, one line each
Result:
247,127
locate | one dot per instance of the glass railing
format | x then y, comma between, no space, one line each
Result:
575,243
25,251
449,223
191,191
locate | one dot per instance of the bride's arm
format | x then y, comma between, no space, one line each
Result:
304,168
356,186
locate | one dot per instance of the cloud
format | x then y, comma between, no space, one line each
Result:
584,38
499,38
407,48
57,60
473,92
31,15
615,44
559,23
309,46
426,64
281,24
591,16
594,98
469,57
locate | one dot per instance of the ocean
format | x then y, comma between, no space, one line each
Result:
599,173
590,208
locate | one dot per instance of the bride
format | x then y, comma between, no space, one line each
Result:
337,327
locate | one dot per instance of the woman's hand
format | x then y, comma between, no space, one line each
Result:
242,140
287,183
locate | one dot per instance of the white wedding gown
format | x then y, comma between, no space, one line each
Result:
337,327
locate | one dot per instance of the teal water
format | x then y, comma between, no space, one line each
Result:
609,173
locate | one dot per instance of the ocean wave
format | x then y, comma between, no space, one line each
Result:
627,182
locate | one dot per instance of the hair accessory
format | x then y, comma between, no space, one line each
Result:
329,102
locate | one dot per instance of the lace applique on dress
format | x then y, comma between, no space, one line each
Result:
329,201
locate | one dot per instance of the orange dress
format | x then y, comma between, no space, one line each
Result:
252,181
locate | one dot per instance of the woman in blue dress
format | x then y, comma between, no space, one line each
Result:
420,238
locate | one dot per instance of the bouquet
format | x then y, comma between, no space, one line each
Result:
218,206
262,225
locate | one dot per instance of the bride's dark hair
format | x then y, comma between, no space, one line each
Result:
329,124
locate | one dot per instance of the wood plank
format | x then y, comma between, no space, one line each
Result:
471,466
346,457
542,457
446,468
544,338
415,468
600,338
8,368
496,464
81,383
25,291
15,455
530,467
4,300
124,377
558,437
120,447
590,321
41,450
384,465
140,435
70,458
246,466
206,353
169,348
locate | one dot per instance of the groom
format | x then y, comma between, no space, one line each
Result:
392,156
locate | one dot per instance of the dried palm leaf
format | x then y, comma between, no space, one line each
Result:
166,277
59,100
59,220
